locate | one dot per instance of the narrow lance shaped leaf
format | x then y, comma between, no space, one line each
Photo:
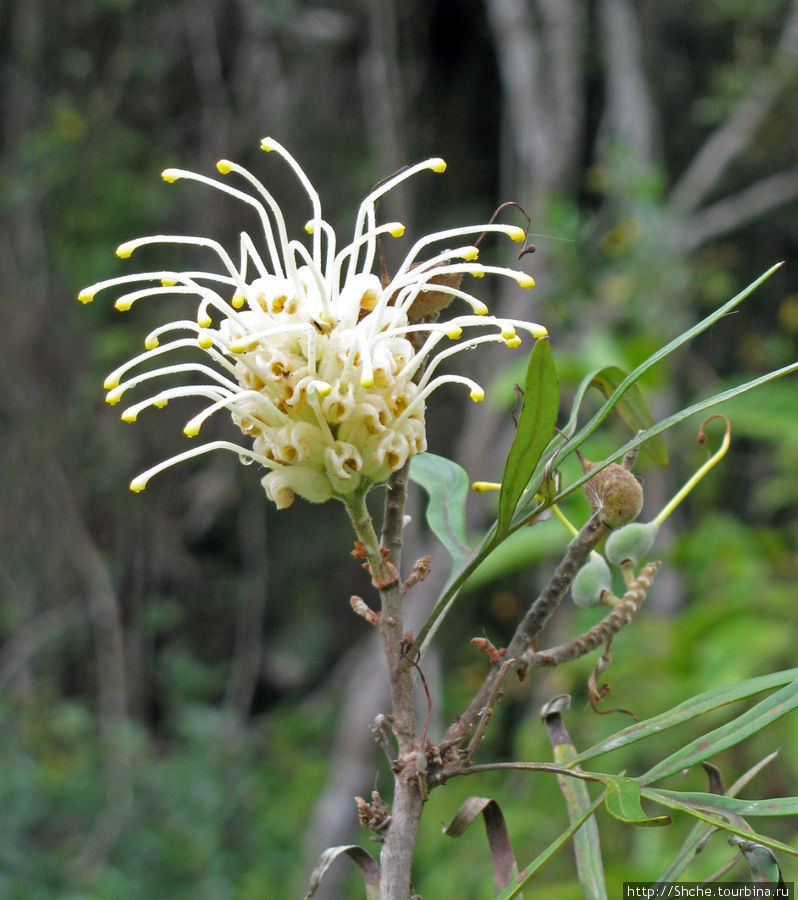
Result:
587,845
535,426
750,722
632,409
689,710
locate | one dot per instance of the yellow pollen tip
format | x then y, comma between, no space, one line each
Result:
508,334
482,487
224,166
205,322
205,341
471,254
513,342
454,333
159,404
190,430
122,305
525,281
170,175
267,144
123,251
239,348
110,383
540,332
516,234
477,273
238,301
128,417
366,383
438,165
397,231
480,309
138,484
309,227
477,395
151,343
168,282
85,296
113,397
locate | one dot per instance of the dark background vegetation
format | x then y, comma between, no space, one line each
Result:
184,692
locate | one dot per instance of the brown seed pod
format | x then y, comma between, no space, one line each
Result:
614,493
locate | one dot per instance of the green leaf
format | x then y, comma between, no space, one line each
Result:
761,861
720,803
750,722
632,409
362,858
447,486
623,802
587,845
535,426
669,800
700,832
688,710
505,869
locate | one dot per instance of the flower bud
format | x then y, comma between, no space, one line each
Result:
592,580
614,493
631,543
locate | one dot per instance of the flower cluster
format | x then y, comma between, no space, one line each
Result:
325,366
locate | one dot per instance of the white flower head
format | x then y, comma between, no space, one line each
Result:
324,366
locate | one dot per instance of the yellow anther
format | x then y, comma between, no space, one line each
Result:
525,281
477,273
124,250
138,484
128,416
159,404
190,429
267,144
238,301
454,333
110,383
479,308
113,397
151,343
477,395
482,487
170,175
516,234
168,282
205,340
224,166
438,165
205,321
309,227
508,333
470,253
513,342
122,305
397,230
86,296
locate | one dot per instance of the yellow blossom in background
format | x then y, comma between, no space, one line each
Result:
322,364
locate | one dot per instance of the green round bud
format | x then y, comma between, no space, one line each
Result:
591,581
631,543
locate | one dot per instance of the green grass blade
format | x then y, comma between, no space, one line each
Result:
720,803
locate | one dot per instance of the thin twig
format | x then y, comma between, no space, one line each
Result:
621,614
531,625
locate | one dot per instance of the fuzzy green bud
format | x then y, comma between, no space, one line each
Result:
591,581
631,543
